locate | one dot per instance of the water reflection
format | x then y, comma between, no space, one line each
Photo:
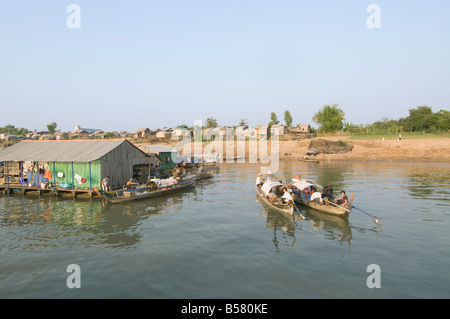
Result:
36,222
283,225
334,227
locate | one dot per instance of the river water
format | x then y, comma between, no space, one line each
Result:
218,241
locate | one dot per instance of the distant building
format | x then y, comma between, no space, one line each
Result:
262,131
79,129
278,129
180,133
141,133
305,128
163,135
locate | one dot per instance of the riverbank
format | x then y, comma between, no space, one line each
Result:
421,149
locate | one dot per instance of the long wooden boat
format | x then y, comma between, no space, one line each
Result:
267,194
302,195
153,188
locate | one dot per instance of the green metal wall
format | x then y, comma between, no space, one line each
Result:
82,169
172,158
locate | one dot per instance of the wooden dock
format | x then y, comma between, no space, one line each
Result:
24,189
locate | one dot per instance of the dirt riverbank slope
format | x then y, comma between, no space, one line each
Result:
423,149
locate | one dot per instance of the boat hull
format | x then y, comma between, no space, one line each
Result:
133,195
328,208
284,208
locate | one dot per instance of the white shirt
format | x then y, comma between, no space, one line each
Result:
287,196
316,195
258,180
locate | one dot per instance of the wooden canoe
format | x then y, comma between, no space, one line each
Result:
145,192
273,203
321,204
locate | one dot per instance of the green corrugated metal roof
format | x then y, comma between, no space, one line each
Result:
59,151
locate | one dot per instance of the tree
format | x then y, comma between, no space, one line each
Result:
273,119
330,119
287,118
52,127
211,122
243,122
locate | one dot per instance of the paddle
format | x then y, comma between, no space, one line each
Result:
296,208
375,219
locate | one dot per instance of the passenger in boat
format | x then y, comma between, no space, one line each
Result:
316,195
105,186
343,200
269,176
327,193
131,184
259,180
287,197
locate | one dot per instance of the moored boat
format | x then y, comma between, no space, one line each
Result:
270,193
153,188
319,198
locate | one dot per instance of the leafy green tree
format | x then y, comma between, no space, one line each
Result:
13,130
52,127
443,122
211,122
273,119
110,135
420,118
330,119
287,118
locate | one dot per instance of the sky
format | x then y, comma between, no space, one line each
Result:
133,64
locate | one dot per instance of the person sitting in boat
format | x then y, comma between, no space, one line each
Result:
259,180
269,176
343,200
297,178
316,196
287,197
327,193
131,184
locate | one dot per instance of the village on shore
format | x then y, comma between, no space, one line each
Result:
165,134
79,160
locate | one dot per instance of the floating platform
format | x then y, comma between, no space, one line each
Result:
24,189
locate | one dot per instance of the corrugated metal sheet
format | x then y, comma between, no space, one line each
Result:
59,151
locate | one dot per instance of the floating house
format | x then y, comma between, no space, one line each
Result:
167,154
72,164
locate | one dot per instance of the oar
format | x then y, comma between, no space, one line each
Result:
330,202
375,219
296,208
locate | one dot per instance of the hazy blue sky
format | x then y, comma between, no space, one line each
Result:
160,63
